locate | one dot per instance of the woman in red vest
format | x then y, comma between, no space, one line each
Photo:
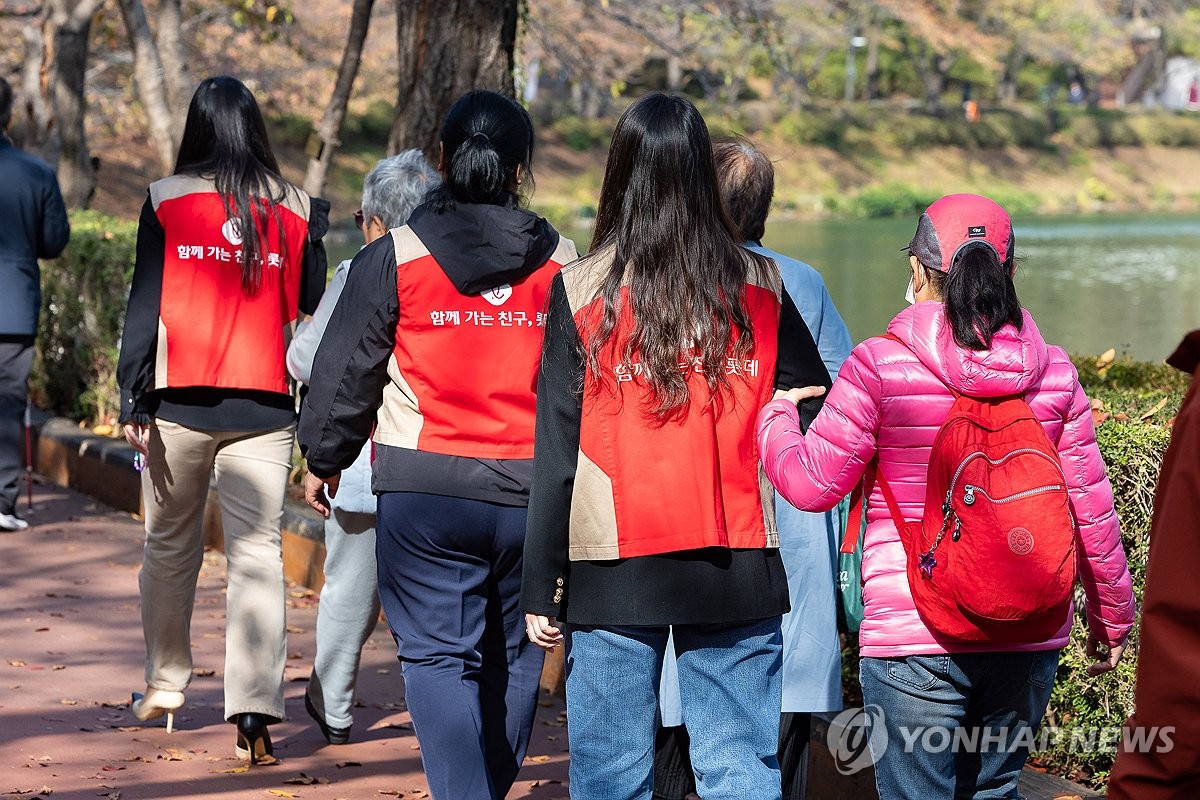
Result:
434,344
228,255
648,508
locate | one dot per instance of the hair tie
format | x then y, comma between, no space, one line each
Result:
480,135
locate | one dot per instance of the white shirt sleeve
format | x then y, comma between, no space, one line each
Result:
303,348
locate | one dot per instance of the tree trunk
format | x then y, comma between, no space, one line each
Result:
39,116
173,55
335,112
151,88
68,23
446,48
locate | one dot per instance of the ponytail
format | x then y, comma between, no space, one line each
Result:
476,174
980,297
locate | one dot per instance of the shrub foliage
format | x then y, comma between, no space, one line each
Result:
84,292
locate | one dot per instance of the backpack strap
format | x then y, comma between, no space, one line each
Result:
854,519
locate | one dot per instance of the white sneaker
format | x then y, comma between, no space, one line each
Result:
11,522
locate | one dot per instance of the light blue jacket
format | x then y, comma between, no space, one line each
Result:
808,543
354,492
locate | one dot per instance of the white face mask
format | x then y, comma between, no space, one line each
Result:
909,295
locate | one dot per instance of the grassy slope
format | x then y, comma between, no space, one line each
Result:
811,180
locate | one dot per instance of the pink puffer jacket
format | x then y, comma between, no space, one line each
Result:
891,399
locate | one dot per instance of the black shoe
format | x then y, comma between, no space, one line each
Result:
253,739
331,734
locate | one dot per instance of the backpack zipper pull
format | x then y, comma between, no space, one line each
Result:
946,506
969,495
926,564
954,537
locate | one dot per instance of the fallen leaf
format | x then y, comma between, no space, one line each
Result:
40,630
57,667
383,671
294,629
111,768
233,771
16,663
281,793
342,764
538,759
204,673
170,754
1106,359
1159,406
68,702
306,780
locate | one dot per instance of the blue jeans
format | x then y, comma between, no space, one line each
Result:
450,583
730,684
991,697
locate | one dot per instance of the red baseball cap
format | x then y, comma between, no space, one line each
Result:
957,222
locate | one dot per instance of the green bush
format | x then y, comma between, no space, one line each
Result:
584,134
892,200
84,292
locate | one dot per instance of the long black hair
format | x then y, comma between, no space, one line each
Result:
979,295
485,138
675,248
225,139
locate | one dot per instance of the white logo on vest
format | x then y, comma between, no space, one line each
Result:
232,230
498,296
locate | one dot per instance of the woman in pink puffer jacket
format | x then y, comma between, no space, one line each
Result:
967,331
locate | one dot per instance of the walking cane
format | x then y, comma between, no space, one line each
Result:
29,455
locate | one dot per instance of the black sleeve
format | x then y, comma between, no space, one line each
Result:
349,370
55,232
555,457
799,362
315,263
139,336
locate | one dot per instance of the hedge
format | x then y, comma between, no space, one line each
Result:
84,292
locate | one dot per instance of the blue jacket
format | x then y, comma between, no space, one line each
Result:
33,225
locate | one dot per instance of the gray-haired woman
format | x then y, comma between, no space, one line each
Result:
350,599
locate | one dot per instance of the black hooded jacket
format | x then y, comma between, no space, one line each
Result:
478,247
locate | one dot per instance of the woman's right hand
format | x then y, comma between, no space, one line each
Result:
136,435
798,396
1104,661
543,631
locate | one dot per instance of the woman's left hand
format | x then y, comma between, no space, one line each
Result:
798,396
1104,661
543,631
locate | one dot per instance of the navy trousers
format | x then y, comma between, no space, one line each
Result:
450,585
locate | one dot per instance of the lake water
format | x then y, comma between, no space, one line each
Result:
1131,283
1126,282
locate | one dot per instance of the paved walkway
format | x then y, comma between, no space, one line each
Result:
71,652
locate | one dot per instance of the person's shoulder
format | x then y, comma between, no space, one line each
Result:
790,267
31,165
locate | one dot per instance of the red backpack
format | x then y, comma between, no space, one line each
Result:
993,557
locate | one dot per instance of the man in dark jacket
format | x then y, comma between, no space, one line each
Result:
33,225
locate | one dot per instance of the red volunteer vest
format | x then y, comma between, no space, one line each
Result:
690,482
464,371
210,332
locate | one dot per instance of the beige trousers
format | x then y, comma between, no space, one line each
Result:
252,470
